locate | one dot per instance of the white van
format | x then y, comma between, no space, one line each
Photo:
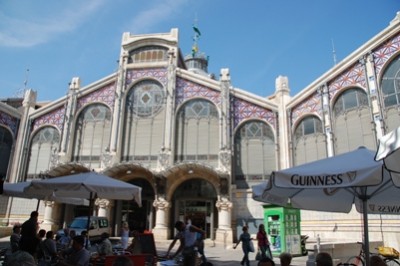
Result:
98,225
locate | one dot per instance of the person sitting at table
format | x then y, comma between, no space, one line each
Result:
134,248
64,240
77,255
105,247
87,241
14,238
49,248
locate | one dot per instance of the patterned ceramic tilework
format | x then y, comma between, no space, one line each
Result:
186,89
385,51
55,117
244,110
311,105
158,73
353,76
105,95
10,122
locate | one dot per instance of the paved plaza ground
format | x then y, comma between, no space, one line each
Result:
216,253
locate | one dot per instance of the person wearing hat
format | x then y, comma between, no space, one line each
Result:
14,238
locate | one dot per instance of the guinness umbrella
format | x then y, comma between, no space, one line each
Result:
333,184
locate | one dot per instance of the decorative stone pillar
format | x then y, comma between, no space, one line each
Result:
48,220
160,230
224,232
325,99
104,206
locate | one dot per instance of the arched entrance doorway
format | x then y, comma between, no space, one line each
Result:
194,201
138,218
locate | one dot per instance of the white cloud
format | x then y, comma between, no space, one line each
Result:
159,11
34,28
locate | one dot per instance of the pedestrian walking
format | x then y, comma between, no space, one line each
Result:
246,245
263,242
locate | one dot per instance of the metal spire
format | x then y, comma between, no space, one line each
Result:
333,53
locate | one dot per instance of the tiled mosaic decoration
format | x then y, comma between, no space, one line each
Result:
385,51
243,110
353,76
159,74
55,118
312,105
10,122
186,89
105,95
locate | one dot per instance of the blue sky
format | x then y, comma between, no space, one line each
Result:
258,40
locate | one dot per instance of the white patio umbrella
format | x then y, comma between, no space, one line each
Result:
332,184
18,190
87,185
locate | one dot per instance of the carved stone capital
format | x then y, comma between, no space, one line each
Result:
49,203
103,203
223,204
161,204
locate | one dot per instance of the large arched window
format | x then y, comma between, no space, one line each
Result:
43,146
144,123
255,156
197,133
92,135
352,121
6,142
390,87
308,141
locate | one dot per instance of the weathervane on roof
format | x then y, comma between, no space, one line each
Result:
196,37
333,53
21,91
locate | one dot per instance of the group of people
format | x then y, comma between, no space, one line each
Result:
266,259
31,246
264,250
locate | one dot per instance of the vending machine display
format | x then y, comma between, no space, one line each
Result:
283,227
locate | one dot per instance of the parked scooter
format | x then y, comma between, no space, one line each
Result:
303,240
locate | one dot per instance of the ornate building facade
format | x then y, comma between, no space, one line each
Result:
194,143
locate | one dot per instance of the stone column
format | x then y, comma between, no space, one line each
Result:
69,118
104,206
282,98
160,230
376,108
48,220
224,232
325,99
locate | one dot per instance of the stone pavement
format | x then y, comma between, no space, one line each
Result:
223,256
217,254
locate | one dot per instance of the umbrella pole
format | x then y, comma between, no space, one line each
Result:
38,204
366,232
88,221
